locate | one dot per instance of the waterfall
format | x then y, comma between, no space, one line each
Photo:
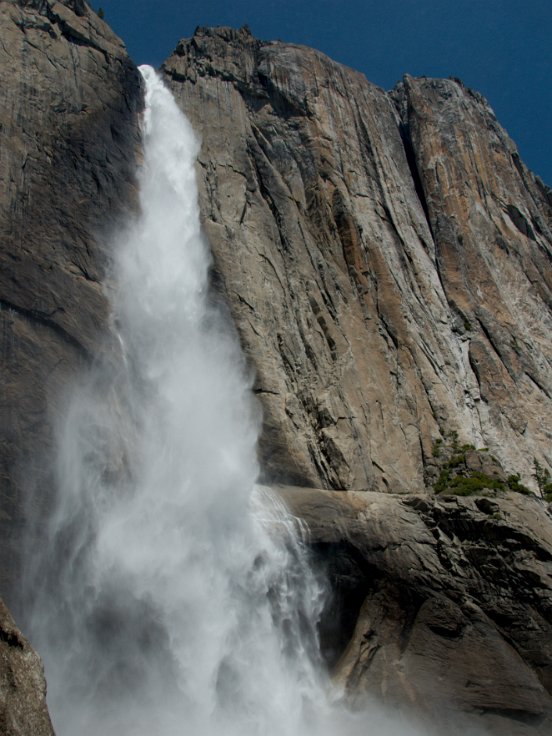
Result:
174,596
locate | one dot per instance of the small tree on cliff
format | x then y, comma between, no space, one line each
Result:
543,479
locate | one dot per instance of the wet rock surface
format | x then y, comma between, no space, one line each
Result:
453,601
386,259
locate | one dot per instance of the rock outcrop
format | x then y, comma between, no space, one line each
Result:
443,603
23,708
386,258
69,137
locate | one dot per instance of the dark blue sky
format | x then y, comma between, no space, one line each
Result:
501,48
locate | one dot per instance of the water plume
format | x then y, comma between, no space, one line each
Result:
175,597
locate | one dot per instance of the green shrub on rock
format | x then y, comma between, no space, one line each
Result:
543,479
466,471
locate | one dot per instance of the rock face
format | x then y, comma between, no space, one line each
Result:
69,135
22,686
442,603
386,258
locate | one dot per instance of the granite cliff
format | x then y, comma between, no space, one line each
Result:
69,105
385,258
442,603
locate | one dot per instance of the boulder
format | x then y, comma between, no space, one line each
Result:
23,710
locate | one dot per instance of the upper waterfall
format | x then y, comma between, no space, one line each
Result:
176,598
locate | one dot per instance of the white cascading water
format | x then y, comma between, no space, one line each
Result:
175,598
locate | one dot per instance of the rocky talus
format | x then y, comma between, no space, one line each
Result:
385,256
68,142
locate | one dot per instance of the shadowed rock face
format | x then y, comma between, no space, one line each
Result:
68,115
22,686
386,258
442,603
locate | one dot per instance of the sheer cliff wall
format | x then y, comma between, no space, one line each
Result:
69,136
386,258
